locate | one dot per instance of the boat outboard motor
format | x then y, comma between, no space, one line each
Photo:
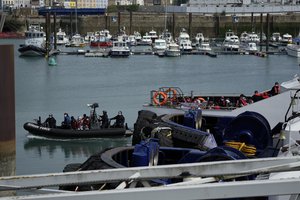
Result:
193,118
250,128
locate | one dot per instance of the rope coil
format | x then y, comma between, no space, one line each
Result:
249,150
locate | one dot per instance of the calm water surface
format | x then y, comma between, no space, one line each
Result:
120,84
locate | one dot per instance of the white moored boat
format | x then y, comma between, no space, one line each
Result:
61,37
287,39
160,46
173,50
34,42
294,49
204,46
119,49
184,42
76,41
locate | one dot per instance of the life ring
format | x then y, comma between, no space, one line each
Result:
171,92
201,99
157,98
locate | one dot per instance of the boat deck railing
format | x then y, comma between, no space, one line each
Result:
207,180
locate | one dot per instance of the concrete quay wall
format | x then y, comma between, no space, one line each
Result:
211,26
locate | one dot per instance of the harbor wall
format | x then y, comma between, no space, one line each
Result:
212,26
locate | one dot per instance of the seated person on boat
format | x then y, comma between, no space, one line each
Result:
275,89
66,124
50,122
120,120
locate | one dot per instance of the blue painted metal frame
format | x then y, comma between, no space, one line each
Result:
68,11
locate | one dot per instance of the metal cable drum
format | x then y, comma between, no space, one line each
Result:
251,128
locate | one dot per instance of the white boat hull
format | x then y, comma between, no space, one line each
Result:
171,53
293,50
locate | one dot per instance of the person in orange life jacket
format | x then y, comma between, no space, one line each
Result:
242,101
275,89
85,122
257,96
74,124
265,95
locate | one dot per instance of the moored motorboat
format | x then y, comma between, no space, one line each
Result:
184,42
249,47
173,50
76,41
231,42
294,48
204,46
61,37
119,49
286,39
145,40
159,47
101,41
276,37
34,42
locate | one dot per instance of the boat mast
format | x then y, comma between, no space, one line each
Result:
76,28
165,15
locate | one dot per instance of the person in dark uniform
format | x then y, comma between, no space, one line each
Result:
50,122
120,120
104,120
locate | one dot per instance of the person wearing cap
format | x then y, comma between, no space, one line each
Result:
104,120
120,120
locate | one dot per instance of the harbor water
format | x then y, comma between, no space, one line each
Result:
120,84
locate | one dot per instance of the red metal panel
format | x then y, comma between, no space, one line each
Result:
7,94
